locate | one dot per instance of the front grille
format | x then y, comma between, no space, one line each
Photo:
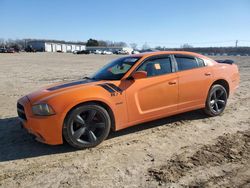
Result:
21,112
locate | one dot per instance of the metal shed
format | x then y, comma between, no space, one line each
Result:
56,46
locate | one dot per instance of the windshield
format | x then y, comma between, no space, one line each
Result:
116,69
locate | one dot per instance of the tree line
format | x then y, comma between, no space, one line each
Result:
103,43
20,44
212,50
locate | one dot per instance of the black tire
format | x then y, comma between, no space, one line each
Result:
216,100
86,126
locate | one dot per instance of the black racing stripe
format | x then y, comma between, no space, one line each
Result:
69,84
113,86
107,88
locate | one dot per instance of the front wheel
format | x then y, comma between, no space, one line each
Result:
216,100
86,126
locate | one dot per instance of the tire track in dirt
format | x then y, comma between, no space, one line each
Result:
227,149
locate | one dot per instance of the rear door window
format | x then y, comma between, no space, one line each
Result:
186,62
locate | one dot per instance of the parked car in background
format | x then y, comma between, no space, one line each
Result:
97,52
11,50
3,50
122,52
29,49
83,52
107,52
135,52
8,50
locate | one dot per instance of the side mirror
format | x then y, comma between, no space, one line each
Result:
139,75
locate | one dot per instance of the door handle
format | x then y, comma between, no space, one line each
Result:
208,74
172,82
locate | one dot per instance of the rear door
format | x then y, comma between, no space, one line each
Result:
195,79
156,95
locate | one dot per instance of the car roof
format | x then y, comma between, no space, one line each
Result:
148,54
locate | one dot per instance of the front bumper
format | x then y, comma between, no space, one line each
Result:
47,129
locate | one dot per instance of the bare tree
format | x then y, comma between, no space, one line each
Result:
2,43
145,46
120,44
186,45
161,48
133,45
102,43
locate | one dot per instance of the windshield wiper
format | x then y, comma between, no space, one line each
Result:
88,78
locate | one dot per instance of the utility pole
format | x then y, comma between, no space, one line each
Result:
236,43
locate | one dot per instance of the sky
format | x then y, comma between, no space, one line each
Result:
168,23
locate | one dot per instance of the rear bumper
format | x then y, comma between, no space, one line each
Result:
234,85
235,79
47,129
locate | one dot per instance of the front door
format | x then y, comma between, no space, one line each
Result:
154,96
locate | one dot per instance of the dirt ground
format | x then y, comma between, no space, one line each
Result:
185,150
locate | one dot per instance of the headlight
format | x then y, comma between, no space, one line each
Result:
42,110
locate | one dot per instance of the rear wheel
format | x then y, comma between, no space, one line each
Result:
86,126
216,100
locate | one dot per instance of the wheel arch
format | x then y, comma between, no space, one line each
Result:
98,102
224,83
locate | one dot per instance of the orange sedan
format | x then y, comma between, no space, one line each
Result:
126,92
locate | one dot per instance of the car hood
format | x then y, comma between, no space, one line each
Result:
56,89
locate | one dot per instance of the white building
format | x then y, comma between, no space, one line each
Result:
56,46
